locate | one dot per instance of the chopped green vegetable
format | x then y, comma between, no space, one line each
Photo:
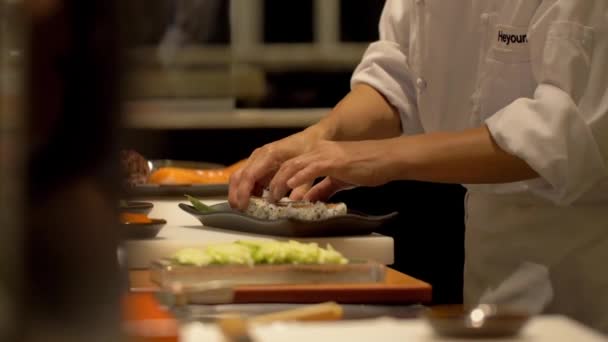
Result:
331,256
260,252
229,254
192,256
271,253
198,205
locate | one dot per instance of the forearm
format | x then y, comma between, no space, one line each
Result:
468,157
363,114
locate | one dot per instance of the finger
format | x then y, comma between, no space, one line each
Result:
232,188
308,174
299,192
253,174
236,179
243,194
323,190
278,184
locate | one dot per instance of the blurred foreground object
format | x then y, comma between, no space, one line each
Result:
71,276
12,30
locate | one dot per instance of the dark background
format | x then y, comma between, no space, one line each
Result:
291,22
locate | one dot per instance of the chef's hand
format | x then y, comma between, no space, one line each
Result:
263,163
344,164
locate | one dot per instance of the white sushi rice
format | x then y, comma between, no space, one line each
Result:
301,210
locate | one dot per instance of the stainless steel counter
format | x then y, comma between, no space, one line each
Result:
191,115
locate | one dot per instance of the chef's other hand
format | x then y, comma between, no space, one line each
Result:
263,164
346,163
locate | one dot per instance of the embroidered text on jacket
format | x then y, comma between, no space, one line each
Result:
512,38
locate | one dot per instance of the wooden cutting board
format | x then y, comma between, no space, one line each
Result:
398,288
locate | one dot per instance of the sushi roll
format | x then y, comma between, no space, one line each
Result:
299,210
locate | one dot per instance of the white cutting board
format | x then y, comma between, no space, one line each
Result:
183,230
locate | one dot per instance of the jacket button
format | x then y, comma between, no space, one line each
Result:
484,18
420,83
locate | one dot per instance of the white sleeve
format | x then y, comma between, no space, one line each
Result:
385,65
562,132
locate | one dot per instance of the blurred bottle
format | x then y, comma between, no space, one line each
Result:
71,286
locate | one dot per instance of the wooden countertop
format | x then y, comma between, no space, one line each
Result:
146,320
398,288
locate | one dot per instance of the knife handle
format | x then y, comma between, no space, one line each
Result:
329,311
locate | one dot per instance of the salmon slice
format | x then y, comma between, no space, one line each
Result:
180,176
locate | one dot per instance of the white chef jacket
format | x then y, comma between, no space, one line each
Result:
536,73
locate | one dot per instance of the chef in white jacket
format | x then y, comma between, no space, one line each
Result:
510,98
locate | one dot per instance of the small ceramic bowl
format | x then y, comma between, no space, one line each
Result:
483,321
142,230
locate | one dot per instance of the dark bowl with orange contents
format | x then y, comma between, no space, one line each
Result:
140,226
482,321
